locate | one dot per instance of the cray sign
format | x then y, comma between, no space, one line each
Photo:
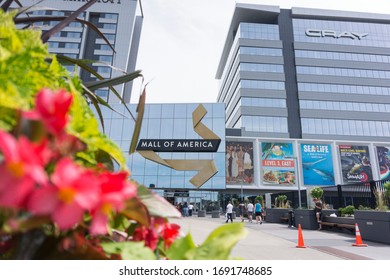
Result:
334,34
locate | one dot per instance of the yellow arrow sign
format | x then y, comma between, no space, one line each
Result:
206,168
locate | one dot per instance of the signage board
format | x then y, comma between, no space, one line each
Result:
178,145
334,34
277,162
355,163
383,156
317,164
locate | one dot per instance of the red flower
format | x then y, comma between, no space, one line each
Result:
21,169
159,228
52,109
169,234
73,191
114,191
148,235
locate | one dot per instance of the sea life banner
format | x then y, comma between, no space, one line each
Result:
317,164
355,163
383,154
277,164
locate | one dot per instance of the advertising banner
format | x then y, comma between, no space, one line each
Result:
239,163
317,165
383,154
276,167
355,163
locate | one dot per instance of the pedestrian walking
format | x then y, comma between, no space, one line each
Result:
258,212
190,209
241,210
229,212
250,208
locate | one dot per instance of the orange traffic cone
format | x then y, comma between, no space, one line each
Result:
301,243
359,241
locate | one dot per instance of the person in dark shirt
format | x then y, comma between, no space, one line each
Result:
318,211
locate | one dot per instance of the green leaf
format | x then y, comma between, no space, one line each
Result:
180,247
136,210
138,123
219,243
129,250
157,205
113,81
85,127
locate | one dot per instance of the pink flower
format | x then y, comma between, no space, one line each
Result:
52,109
115,190
21,168
73,191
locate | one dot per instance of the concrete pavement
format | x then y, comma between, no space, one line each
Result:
270,241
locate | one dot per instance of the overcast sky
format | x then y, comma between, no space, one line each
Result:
182,41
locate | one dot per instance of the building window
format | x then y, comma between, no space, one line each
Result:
344,106
258,31
349,89
345,127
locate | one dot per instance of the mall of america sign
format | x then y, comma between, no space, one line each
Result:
334,34
176,145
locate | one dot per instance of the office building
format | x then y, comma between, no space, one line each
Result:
120,21
307,73
309,90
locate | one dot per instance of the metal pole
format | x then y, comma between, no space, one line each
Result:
242,194
297,176
299,187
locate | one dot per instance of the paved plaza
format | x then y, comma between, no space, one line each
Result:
270,241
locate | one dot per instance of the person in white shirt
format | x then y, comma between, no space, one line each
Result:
190,209
250,208
229,212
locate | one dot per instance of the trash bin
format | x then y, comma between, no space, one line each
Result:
234,215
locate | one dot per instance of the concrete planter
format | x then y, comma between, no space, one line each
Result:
306,217
374,225
215,214
202,213
274,215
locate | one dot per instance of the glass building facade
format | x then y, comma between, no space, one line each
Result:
294,74
119,21
170,121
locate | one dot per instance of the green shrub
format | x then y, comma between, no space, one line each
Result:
317,192
347,211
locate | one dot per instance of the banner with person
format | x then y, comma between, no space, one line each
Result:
355,163
239,162
317,164
383,156
277,164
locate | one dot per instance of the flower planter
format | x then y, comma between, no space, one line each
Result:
374,225
305,217
275,215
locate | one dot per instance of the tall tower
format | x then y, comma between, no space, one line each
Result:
120,22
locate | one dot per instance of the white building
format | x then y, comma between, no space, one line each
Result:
120,21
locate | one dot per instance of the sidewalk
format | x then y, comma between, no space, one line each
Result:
271,241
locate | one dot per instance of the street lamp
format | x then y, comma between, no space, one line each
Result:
297,176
